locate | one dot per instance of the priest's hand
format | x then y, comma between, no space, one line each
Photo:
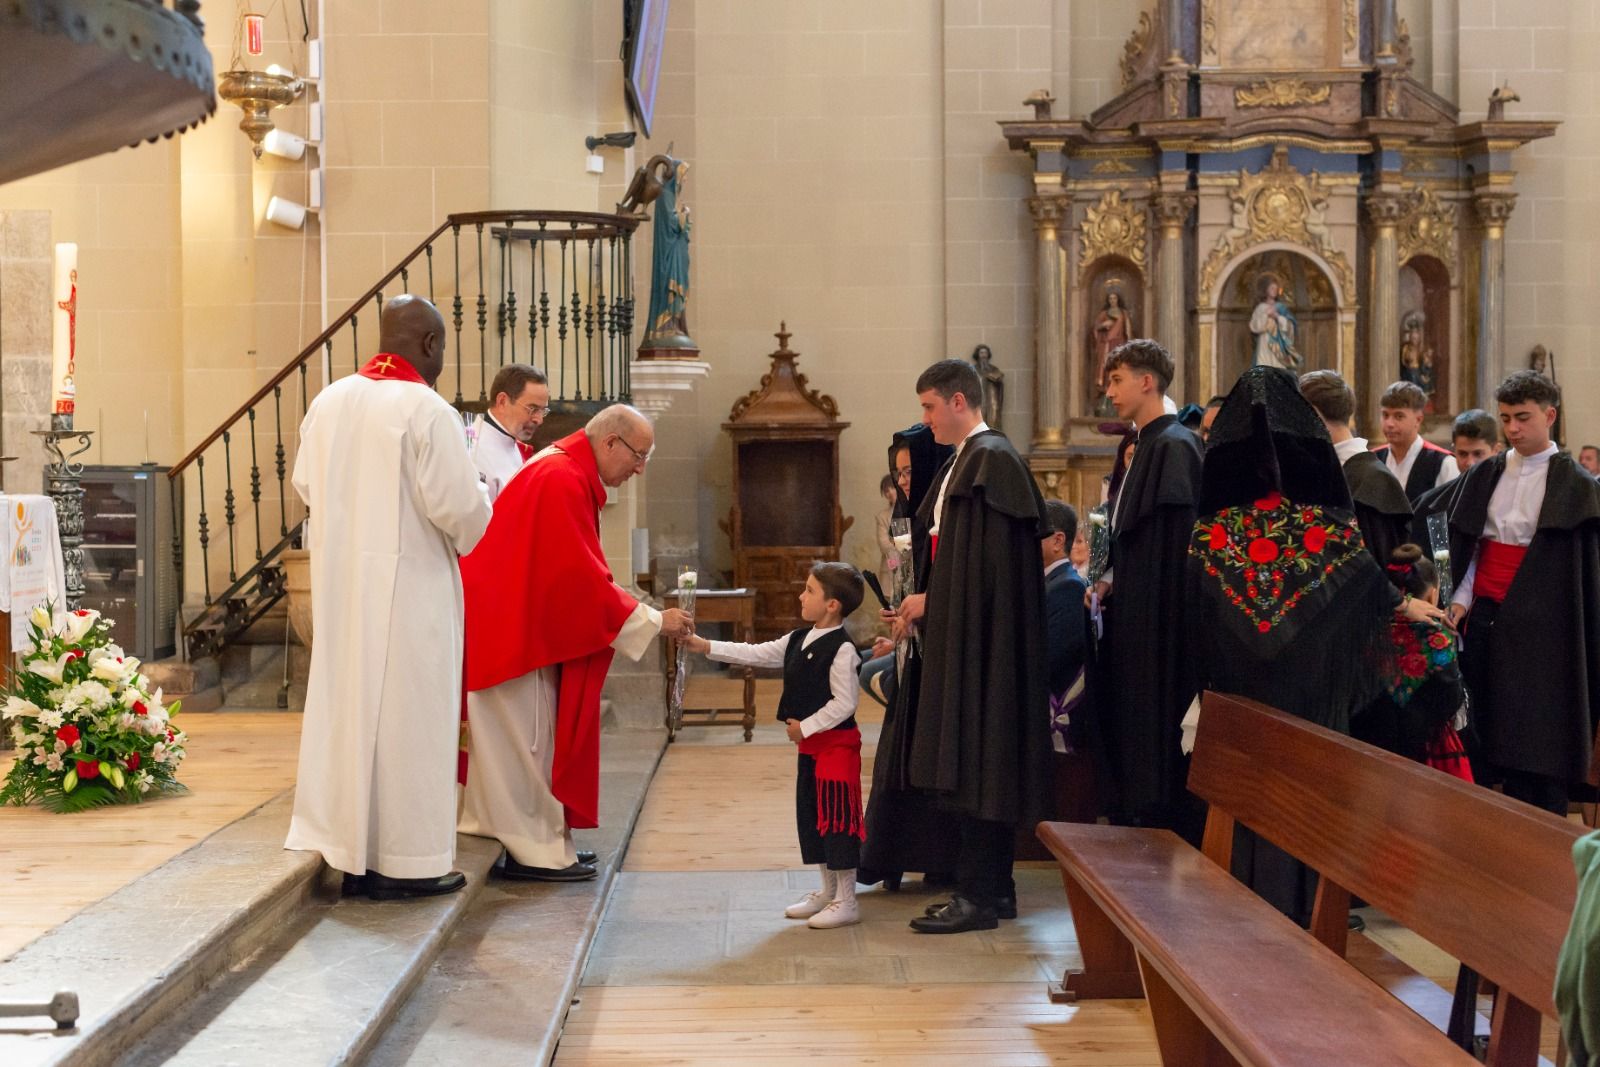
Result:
695,643
677,623
911,611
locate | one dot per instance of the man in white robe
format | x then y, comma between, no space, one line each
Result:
543,620
393,500
519,401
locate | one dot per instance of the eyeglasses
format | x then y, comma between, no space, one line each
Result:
535,410
640,457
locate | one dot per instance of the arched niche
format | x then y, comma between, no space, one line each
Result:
1312,297
1424,356
1107,278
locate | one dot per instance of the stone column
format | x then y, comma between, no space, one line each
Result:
1049,331
1175,32
1493,211
1172,213
1383,320
25,280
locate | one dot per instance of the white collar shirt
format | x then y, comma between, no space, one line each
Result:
938,505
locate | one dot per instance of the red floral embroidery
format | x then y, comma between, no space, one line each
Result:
1315,539
1263,551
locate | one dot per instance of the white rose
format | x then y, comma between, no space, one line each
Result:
688,579
903,542
107,670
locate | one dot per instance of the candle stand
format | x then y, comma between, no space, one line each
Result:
62,478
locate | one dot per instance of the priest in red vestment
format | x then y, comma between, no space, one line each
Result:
544,618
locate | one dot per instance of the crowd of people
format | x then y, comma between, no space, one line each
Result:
1255,546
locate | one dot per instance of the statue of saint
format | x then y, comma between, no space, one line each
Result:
667,324
994,386
1416,356
1275,326
1113,326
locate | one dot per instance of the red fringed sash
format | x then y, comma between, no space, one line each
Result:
1446,753
838,756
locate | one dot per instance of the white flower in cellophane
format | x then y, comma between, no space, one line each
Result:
18,708
79,623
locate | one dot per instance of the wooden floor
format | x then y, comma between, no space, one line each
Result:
52,866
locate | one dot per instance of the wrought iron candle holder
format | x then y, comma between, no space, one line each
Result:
62,484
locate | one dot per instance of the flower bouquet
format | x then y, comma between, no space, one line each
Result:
688,584
88,729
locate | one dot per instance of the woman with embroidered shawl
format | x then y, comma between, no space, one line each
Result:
1292,610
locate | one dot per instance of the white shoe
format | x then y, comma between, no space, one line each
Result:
837,913
808,905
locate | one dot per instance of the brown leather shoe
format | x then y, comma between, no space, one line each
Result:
381,887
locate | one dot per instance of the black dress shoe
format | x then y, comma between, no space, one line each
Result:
381,887
957,917
354,885
585,856
1004,907
521,872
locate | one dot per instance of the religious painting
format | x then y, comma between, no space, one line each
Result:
1114,313
648,36
1277,308
1282,35
1425,329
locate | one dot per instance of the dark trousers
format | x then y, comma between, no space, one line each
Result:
841,852
983,867
1539,790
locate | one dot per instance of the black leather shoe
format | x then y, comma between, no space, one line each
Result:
585,856
957,917
1004,907
380,887
354,885
577,872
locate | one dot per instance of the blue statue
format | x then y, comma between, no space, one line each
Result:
667,325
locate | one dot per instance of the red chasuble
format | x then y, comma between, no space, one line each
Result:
539,594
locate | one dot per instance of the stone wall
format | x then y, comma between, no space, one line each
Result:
25,343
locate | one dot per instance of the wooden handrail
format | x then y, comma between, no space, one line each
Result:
626,223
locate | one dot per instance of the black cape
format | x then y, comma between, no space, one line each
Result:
1536,687
906,830
981,739
1146,671
1383,513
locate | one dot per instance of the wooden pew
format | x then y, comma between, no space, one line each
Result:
1231,981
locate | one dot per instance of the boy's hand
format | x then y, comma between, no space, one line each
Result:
695,643
792,728
1455,616
677,623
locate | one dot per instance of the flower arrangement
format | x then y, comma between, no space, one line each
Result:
88,728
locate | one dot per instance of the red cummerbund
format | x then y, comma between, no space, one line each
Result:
1497,566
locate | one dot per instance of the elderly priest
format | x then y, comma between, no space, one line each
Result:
394,499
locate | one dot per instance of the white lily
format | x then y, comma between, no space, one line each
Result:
18,708
40,617
79,623
53,672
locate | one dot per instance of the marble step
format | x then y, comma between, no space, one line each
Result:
323,990
141,954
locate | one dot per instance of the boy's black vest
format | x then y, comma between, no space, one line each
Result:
806,687
1424,469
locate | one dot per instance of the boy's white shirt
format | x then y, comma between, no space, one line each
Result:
843,679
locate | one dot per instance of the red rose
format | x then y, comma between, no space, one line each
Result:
1270,501
1263,551
68,735
132,762
88,768
1264,626
1315,539
139,708
1217,537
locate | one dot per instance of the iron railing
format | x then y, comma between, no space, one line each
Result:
561,285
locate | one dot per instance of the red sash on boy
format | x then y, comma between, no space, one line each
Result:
838,756
1497,566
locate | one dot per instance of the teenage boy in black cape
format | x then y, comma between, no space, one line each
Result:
906,830
1476,437
1146,674
1383,513
1525,538
981,738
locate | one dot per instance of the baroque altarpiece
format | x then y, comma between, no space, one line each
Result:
1271,183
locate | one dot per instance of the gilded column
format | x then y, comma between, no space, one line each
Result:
1172,213
1383,320
1493,211
1049,330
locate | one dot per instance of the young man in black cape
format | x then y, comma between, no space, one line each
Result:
1146,674
1476,437
1382,511
906,830
1525,538
980,742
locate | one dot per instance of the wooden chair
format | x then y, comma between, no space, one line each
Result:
1230,980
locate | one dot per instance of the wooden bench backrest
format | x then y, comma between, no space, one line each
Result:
1486,879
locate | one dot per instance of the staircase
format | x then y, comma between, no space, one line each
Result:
552,288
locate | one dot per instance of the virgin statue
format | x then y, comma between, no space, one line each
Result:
667,324
1274,325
